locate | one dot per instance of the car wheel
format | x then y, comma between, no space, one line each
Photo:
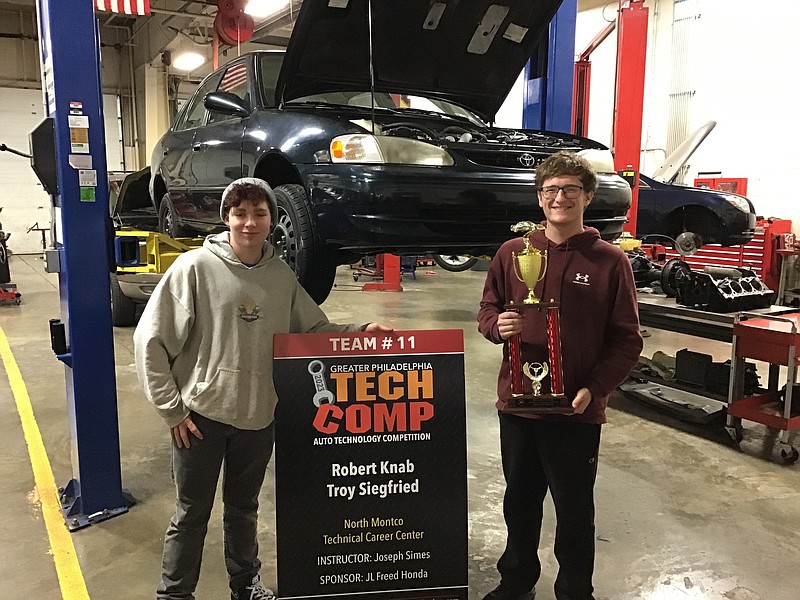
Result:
455,262
168,219
123,309
298,245
694,219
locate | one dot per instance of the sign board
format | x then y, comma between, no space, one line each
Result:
370,465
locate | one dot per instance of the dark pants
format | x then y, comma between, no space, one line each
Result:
196,469
560,456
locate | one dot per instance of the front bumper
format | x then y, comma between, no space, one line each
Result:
138,286
739,227
408,209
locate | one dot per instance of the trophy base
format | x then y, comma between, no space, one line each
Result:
546,404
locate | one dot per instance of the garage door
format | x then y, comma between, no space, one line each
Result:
22,198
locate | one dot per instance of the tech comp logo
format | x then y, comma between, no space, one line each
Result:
378,398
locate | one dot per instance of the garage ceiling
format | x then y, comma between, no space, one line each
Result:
169,18
151,35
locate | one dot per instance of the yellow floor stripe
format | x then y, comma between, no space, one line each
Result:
70,576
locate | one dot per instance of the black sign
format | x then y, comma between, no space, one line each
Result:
370,460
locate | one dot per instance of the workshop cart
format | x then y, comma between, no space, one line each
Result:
774,340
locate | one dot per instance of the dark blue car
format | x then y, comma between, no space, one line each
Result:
670,209
375,139
716,217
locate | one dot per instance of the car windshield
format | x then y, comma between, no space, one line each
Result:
270,66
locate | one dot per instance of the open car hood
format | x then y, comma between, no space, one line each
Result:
132,190
468,53
672,165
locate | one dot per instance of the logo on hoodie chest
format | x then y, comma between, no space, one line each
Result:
248,310
581,279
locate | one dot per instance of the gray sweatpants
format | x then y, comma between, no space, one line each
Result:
196,469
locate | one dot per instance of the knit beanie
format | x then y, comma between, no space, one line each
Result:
273,202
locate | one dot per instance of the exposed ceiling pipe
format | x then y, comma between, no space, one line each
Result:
176,13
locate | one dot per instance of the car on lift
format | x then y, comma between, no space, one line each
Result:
376,136
666,208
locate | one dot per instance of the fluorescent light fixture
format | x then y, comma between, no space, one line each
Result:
188,61
261,9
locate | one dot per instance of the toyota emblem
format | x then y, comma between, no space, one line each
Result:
527,160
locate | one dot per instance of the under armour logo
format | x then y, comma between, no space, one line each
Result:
581,279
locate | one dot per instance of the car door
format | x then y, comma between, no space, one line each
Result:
217,147
176,149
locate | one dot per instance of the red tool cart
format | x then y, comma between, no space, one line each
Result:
774,340
734,185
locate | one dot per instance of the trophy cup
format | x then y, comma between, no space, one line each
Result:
530,266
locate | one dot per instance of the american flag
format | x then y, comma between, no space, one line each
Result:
127,7
234,77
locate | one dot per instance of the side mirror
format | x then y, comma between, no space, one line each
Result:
226,103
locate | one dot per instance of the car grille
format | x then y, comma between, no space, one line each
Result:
525,161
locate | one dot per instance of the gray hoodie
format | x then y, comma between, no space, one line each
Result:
204,342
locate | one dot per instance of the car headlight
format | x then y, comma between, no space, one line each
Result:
601,160
381,149
739,203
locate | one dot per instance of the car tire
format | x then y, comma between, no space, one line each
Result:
168,219
455,262
123,309
707,226
298,244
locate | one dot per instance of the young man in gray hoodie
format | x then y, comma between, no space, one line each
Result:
203,352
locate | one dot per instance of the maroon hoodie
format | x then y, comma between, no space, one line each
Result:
600,339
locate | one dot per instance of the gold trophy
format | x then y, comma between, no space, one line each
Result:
530,266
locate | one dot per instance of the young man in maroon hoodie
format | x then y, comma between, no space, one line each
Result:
600,341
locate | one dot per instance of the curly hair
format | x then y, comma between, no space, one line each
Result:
564,163
247,192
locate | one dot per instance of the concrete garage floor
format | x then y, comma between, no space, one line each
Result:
681,513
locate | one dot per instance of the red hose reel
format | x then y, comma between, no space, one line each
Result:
231,24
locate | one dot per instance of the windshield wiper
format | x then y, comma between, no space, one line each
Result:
320,103
431,113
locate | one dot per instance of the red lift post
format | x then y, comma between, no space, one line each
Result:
629,98
628,94
582,83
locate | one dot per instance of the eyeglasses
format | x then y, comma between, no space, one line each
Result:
570,191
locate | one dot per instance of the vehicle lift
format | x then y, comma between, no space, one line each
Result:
69,157
631,26
773,339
